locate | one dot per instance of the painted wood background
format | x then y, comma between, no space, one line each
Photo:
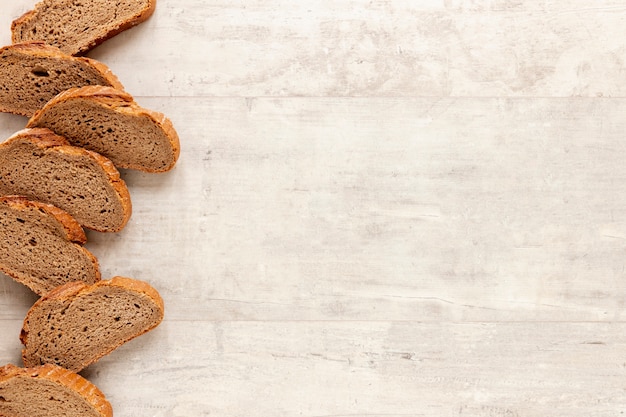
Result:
382,208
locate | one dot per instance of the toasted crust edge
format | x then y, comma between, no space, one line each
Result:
76,289
68,379
45,138
123,102
138,18
42,50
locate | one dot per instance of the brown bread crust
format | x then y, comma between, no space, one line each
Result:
31,272
42,50
121,102
51,55
65,378
136,19
44,138
74,290
73,231
49,141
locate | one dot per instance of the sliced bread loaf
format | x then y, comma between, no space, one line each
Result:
77,26
42,166
41,246
33,73
76,324
110,122
49,391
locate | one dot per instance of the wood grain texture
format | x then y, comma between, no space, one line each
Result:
438,48
355,368
387,209
382,208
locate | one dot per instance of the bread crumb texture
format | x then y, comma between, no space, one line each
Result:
34,73
108,121
41,166
76,324
76,26
40,246
49,391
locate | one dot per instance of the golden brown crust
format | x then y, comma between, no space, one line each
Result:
73,230
68,379
20,21
134,21
102,93
122,102
42,50
44,138
38,49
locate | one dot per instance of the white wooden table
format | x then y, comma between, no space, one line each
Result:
382,208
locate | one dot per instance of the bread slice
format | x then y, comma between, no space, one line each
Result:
49,391
76,324
108,121
41,246
42,166
33,73
77,26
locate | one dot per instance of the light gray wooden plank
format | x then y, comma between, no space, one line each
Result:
362,48
382,209
202,368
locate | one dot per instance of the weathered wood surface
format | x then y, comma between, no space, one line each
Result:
383,208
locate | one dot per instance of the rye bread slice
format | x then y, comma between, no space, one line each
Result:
49,391
110,122
41,246
76,26
76,324
42,166
33,73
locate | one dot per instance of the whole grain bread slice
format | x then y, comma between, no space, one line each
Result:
32,73
41,246
76,324
49,391
77,26
43,166
110,122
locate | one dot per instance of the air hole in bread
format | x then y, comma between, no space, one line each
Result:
40,71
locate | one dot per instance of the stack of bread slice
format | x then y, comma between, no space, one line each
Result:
59,175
